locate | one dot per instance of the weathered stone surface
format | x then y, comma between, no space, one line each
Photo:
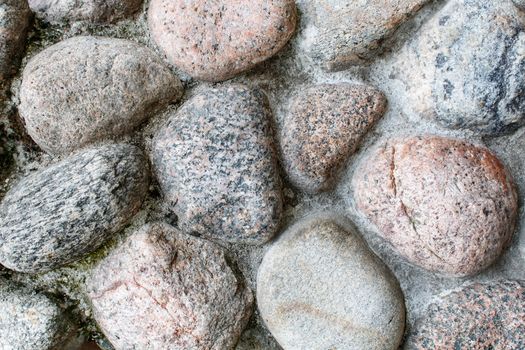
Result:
466,67
14,23
323,128
479,316
69,209
215,161
166,290
444,204
87,89
349,32
320,287
217,40
31,321
101,11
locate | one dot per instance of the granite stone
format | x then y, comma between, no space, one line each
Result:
31,320
61,213
320,287
15,18
349,32
162,289
98,11
466,67
445,205
479,316
216,163
217,40
87,89
324,126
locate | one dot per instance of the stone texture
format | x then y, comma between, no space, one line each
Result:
217,40
216,164
99,11
349,32
67,210
166,290
444,204
320,287
479,316
31,321
87,89
14,22
466,67
324,126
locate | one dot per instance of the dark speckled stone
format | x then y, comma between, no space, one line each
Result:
216,163
61,213
480,316
323,128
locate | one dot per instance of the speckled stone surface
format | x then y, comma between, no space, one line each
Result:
87,89
216,164
32,321
466,67
101,11
324,126
14,22
163,289
320,287
479,316
444,204
59,214
216,40
349,32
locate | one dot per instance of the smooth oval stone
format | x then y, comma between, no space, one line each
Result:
99,11
217,40
14,22
87,89
466,67
444,204
216,163
324,126
479,316
31,320
320,287
162,289
60,214
349,32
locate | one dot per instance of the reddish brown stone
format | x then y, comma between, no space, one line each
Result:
444,204
323,128
217,40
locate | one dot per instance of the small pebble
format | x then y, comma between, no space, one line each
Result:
324,126
162,289
466,67
321,287
98,11
217,40
216,163
349,32
14,22
31,320
479,316
444,204
58,215
87,89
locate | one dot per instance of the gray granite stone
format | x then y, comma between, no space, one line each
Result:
320,287
32,321
61,213
86,89
216,164
14,22
466,67
162,289
99,11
